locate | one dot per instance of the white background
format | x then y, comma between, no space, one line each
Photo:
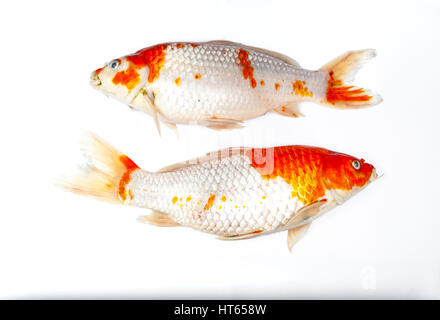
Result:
383,243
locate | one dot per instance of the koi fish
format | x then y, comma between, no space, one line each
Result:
235,193
220,84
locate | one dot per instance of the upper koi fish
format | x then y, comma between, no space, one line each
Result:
220,84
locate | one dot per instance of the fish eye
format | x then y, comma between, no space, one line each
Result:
114,64
356,164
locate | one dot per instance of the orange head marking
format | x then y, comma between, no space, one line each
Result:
344,172
98,71
128,78
153,57
311,171
119,79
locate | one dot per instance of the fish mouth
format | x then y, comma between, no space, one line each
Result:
94,79
373,175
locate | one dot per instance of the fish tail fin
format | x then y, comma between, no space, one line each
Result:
105,175
342,71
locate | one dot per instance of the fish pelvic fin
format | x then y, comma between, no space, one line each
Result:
105,175
341,72
159,219
296,234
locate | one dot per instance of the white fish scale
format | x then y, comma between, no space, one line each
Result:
241,200
222,91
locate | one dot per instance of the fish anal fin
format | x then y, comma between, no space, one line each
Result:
307,213
241,236
296,234
216,123
289,110
159,219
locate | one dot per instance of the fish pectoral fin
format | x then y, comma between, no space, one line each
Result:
306,213
156,119
159,219
222,124
154,111
241,236
296,234
289,110
173,127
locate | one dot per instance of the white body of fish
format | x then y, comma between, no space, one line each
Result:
212,85
234,193
220,84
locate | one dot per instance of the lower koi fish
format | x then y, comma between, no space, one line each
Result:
220,84
235,193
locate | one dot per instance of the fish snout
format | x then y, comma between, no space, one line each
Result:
94,79
373,175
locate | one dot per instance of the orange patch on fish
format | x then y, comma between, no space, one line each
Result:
210,202
174,200
177,81
197,76
153,57
277,86
125,179
98,71
223,198
337,92
262,82
128,78
188,199
298,166
248,70
299,88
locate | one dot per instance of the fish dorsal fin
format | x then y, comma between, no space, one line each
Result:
241,236
273,54
159,219
296,234
306,214
228,152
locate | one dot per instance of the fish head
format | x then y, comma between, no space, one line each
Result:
120,79
345,175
